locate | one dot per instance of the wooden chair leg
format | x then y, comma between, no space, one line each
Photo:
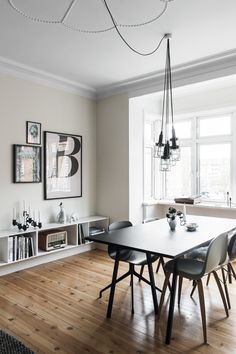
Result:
225,287
221,292
163,294
180,289
141,272
194,287
229,273
202,308
208,279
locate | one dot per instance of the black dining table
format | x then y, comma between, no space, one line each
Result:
157,238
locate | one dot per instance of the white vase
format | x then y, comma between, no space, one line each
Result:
61,217
172,224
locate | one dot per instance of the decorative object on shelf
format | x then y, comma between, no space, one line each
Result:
52,239
167,149
62,165
24,221
61,216
33,133
26,164
74,217
171,218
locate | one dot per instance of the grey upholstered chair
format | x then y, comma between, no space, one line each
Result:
134,258
232,255
225,267
195,270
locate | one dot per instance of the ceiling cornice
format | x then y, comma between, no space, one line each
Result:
25,72
212,67
220,65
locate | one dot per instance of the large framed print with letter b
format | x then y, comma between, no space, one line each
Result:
62,165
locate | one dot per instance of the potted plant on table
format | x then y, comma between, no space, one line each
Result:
171,217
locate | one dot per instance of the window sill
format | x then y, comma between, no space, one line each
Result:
210,205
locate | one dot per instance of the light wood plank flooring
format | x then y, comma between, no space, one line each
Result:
54,308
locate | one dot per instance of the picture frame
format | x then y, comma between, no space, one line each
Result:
27,164
33,133
62,165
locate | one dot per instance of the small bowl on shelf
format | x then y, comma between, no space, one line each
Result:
191,226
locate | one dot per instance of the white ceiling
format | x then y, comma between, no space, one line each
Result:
200,29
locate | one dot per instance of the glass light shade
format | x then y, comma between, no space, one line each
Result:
158,150
165,164
175,154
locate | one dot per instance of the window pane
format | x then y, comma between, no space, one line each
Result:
148,131
178,180
147,173
183,129
215,171
215,126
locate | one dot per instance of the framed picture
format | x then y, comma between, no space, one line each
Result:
33,133
26,164
62,165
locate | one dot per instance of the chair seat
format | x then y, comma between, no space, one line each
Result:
186,268
133,257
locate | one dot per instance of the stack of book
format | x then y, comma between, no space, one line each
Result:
93,230
21,247
188,200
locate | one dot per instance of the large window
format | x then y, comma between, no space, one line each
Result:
206,160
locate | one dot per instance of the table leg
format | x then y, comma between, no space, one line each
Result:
172,305
113,284
152,281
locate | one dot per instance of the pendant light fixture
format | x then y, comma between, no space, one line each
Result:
167,148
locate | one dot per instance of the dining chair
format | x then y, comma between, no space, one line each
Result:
225,267
232,256
133,258
194,270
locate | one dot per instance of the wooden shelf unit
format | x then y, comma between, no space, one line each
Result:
7,265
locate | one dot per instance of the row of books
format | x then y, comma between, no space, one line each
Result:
21,247
93,230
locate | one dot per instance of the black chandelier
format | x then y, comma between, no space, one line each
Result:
167,148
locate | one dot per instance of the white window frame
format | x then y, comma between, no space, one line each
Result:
194,142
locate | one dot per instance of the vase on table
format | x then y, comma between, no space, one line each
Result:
172,224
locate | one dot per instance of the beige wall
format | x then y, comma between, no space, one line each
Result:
113,157
57,111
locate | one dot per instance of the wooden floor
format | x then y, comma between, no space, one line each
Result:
54,308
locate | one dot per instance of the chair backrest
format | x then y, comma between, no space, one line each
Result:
216,253
117,226
232,247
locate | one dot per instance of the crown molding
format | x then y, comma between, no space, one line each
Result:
25,72
208,68
212,67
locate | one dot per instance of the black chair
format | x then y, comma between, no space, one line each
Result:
134,258
225,267
232,256
194,270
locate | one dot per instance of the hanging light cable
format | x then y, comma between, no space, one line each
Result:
167,149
